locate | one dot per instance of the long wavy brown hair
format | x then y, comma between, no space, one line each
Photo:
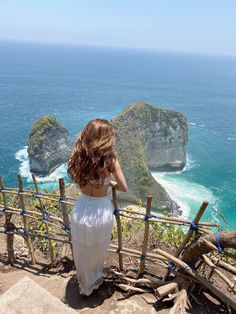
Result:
93,154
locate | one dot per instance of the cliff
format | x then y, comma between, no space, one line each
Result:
49,145
149,138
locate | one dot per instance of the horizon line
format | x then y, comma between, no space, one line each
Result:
148,49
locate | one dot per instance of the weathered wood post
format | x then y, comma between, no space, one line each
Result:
42,209
64,209
10,234
190,232
146,234
26,225
119,232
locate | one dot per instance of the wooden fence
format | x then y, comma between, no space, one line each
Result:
63,234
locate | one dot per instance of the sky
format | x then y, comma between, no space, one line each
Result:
202,26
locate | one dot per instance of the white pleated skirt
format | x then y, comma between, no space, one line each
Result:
91,226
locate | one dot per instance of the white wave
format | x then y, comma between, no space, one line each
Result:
197,125
232,138
190,164
188,195
24,169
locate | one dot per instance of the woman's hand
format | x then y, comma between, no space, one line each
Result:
113,184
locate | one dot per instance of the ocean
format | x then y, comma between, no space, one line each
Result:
77,83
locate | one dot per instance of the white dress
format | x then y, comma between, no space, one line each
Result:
91,226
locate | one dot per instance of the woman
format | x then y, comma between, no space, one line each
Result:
92,166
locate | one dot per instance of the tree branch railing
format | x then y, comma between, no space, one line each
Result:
181,261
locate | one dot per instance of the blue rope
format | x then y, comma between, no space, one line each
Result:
116,212
26,232
23,212
35,195
193,226
47,215
220,248
142,257
170,266
67,229
146,218
60,200
8,229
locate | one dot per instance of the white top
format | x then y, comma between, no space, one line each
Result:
105,181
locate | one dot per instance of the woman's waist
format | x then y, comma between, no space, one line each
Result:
93,197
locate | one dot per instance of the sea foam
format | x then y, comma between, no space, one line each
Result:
188,195
24,169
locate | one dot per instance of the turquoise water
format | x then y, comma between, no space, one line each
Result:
79,83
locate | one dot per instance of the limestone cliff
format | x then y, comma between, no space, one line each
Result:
149,138
48,146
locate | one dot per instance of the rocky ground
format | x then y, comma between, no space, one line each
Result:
61,282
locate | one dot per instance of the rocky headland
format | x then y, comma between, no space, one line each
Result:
49,145
150,138
147,139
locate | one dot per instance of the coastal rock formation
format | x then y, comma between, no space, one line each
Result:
49,145
149,138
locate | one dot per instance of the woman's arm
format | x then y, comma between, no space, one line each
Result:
119,177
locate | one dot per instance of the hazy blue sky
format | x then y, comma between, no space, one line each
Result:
207,26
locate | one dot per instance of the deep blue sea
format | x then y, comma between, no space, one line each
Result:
77,84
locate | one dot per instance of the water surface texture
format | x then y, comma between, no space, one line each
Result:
77,84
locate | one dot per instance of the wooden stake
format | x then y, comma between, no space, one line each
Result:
189,233
146,234
26,225
41,206
10,236
118,222
64,209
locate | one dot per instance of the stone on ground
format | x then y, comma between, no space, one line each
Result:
28,297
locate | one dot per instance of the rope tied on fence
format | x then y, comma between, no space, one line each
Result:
60,200
219,246
147,217
35,195
23,212
116,211
66,229
2,189
170,266
26,232
9,227
193,226
5,209
142,257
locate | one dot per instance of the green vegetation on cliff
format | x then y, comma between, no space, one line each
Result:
39,130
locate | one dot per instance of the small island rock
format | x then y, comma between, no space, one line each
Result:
49,146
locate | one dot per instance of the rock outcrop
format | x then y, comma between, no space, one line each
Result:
149,138
49,145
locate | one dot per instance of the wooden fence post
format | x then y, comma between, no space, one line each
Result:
189,233
119,232
42,209
26,225
64,209
146,234
10,234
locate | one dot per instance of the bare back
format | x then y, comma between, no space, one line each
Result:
99,190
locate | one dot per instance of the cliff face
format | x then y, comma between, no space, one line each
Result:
150,138
49,145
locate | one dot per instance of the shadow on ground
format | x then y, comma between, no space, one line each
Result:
76,301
